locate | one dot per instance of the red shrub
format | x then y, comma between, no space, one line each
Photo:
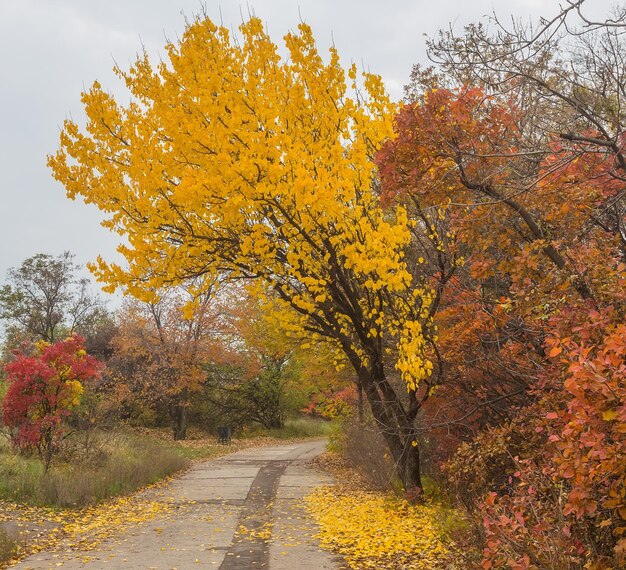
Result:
43,388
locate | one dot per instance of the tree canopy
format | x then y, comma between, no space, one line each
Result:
231,159
44,299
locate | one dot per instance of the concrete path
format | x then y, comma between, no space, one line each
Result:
239,512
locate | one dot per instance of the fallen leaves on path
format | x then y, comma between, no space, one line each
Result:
82,529
42,528
374,530
263,533
86,529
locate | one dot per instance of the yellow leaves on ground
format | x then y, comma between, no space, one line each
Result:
263,533
84,529
373,530
88,528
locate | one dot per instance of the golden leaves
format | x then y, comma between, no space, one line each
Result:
84,529
232,159
372,530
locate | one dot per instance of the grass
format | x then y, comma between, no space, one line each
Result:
202,448
118,463
296,428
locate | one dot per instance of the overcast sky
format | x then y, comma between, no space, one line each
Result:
51,49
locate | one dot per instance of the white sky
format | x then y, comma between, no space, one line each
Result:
51,49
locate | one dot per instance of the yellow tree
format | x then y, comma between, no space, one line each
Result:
279,373
232,159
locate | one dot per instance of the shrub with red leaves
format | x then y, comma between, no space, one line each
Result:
43,388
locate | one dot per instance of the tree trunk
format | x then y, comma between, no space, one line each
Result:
178,411
274,422
180,422
359,402
408,468
396,428
46,449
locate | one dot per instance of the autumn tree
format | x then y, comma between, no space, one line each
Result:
263,373
493,168
249,381
509,157
567,76
242,397
161,348
43,388
99,332
233,159
44,299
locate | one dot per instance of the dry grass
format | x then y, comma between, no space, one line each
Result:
118,463
341,470
364,449
9,545
294,429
